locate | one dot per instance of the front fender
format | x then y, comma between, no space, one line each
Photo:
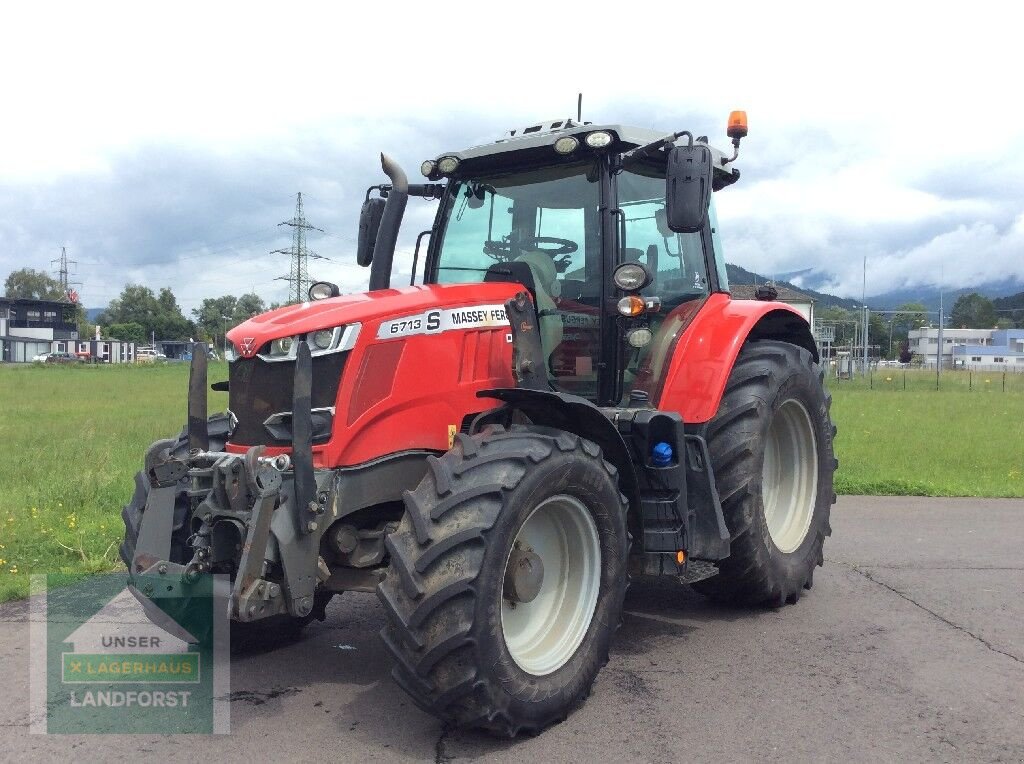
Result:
700,363
581,417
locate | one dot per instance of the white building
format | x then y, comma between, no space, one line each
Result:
924,343
1005,352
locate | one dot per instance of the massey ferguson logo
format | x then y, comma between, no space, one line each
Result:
248,345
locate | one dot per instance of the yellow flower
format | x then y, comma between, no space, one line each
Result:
3,561
13,569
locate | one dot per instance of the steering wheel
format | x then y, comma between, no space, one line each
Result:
558,246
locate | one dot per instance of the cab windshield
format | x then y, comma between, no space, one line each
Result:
551,211
549,220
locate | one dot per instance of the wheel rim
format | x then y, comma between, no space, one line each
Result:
544,633
790,476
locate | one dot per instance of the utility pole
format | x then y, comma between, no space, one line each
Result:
938,353
63,270
864,307
298,276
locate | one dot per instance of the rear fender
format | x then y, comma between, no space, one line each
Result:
706,351
579,416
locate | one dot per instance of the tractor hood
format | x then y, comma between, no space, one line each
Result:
368,311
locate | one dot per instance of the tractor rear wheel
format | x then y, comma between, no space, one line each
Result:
507,579
771,449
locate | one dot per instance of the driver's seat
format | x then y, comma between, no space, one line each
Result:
547,289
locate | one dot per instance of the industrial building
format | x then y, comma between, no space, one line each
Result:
30,327
983,349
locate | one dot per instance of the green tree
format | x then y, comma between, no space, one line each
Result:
973,311
157,315
214,316
248,305
27,283
171,324
217,314
130,332
878,334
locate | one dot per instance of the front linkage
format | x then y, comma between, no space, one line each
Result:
261,517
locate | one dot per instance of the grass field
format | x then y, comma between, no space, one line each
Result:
966,439
74,436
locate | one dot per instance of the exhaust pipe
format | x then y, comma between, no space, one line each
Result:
390,222
198,432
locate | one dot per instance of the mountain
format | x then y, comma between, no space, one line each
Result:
739,275
1011,307
91,313
929,295
1012,292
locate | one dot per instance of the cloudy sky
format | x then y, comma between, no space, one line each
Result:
162,143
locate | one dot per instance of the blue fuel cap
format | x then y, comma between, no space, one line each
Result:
661,455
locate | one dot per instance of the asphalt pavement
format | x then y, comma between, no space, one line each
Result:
910,647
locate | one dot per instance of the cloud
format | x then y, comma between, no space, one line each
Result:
164,148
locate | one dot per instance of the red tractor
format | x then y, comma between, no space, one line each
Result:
568,397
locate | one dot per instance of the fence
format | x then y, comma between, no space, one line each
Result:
964,380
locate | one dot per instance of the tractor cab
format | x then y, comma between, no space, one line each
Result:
558,207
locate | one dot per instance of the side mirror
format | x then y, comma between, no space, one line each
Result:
688,187
369,223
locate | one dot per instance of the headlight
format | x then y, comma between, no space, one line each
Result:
428,168
323,339
321,342
598,139
566,145
322,290
448,165
281,347
630,277
640,337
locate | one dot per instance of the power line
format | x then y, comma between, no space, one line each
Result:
298,276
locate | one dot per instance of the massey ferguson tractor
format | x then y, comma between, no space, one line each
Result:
565,396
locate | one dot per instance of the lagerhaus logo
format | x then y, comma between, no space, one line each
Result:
107,658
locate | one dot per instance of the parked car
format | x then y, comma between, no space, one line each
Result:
41,357
62,358
146,354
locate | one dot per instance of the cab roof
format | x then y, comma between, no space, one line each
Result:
528,144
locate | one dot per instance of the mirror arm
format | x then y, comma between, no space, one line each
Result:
638,154
424,190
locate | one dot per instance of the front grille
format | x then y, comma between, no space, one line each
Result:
258,389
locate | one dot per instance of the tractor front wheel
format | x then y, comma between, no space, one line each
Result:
507,579
771,449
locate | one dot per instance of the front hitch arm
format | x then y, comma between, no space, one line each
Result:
198,429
